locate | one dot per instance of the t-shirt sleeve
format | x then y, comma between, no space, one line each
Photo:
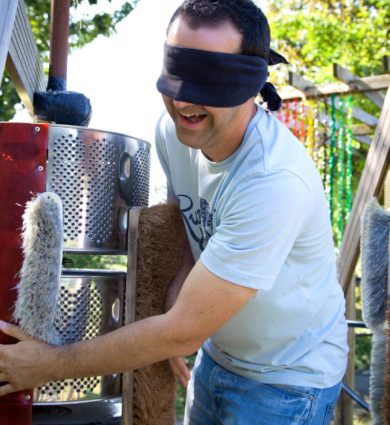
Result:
258,223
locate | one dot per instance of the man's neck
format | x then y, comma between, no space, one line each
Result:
232,145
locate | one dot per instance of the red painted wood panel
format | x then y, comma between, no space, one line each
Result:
23,155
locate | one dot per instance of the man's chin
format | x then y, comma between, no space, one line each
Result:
189,140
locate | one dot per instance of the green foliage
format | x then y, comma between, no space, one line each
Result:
86,30
8,98
89,261
82,31
315,34
362,350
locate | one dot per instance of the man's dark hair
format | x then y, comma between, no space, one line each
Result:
249,20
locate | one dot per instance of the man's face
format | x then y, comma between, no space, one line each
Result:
216,131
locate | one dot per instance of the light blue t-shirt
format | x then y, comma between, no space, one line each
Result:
260,219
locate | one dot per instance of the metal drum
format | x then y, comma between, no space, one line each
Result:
91,304
98,176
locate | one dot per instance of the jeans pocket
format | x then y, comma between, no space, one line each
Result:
293,404
307,392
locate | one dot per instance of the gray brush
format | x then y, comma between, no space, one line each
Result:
377,367
40,275
375,260
374,256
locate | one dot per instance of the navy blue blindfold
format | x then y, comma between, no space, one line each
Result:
216,79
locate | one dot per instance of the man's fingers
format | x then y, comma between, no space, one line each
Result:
14,331
2,378
180,370
183,369
6,389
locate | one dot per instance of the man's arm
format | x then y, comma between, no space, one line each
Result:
177,282
204,304
178,364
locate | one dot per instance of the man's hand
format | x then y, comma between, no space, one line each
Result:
18,361
180,370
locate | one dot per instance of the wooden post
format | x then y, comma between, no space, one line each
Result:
386,63
349,377
370,184
7,19
59,35
131,293
344,409
387,190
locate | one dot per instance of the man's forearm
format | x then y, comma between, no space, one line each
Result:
130,347
194,317
136,345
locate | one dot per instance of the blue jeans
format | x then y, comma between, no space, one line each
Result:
216,396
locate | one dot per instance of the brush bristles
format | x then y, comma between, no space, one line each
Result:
386,398
374,256
40,275
377,366
160,248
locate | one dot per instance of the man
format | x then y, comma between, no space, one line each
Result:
262,298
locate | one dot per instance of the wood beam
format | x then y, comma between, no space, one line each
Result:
357,113
23,62
7,18
386,63
371,182
289,92
303,88
362,116
302,85
307,87
354,82
361,130
363,139
357,129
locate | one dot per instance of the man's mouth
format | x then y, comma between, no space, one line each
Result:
193,118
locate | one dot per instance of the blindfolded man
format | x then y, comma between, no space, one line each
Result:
257,295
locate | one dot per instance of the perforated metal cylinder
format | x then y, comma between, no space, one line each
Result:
90,304
98,176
